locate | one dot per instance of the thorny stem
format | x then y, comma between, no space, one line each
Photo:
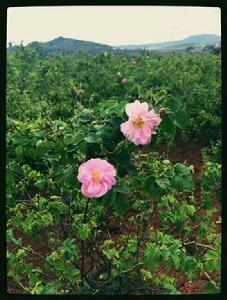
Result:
125,245
82,244
145,230
117,275
138,240
200,245
208,276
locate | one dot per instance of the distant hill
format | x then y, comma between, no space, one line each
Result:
63,45
69,46
194,40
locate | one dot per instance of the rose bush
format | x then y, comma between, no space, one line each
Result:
146,224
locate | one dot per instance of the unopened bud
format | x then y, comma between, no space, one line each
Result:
124,80
162,112
75,91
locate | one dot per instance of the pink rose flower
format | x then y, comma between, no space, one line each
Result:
141,124
124,80
97,177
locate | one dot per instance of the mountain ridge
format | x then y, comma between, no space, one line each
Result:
69,45
64,45
193,39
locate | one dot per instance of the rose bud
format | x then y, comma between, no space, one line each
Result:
124,80
162,112
73,90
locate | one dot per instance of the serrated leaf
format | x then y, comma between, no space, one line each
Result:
19,150
181,119
168,126
163,183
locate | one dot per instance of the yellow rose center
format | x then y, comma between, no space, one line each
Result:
138,123
96,176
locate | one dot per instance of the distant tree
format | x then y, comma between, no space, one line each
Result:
189,49
208,48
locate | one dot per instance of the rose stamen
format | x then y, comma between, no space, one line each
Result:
96,176
138,123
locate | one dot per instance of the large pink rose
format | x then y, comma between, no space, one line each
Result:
141,124
97,177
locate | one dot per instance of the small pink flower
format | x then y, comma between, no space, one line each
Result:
124,80
97,177
141,124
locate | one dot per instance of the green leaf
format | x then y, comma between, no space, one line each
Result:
188,264
181,119
69,176
168,126
57,208
213,260
163,183
121,204
176,260
40,183
172,289
173,104
151,187
70,250
120,188
79,136
150,257
177,182
212,289
84,231
191,209
19,150
92,138
119,110
108,104
153,142
181,169
20,253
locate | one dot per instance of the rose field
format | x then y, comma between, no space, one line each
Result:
113,173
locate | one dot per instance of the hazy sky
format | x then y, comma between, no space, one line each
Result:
113,25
